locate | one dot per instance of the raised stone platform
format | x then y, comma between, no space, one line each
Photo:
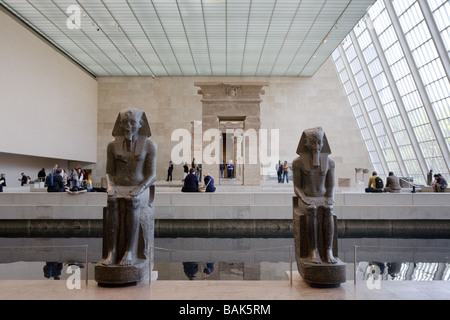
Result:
380,206
175,205
430,189
278,205
226,205
227,214
55,205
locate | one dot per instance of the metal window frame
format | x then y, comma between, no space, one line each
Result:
363,110
379,105
401,107
419,84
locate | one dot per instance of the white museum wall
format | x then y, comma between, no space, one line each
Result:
48,105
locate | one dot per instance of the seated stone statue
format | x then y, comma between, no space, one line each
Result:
313,178
130,171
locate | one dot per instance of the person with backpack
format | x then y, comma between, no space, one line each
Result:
375,183
50,177
57,184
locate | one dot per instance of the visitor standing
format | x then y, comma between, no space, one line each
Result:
279,169
80,173
2,182
185,170
41,175
169,171
74,179
222,169
230,168
199,172
23,180
286,172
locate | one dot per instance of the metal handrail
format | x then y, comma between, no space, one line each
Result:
412,183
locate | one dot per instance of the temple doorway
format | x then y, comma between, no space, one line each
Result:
231,129
232,107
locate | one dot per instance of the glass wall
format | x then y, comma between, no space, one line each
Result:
394,67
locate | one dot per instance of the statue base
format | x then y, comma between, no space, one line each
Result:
115,275
325,275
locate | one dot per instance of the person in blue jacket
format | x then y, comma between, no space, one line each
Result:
209,183
230,169
58,184
190,182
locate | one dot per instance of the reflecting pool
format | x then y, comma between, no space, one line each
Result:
226,258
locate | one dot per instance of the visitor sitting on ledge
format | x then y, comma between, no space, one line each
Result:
209,183
439,184
76,190
190,182
392,183
57,185
375,183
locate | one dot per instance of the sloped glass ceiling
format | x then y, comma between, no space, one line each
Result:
193,37
394,67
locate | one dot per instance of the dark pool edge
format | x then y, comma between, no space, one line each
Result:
249,228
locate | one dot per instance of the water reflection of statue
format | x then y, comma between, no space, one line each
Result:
313,177
130,171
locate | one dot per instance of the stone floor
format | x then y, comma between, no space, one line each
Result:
225,290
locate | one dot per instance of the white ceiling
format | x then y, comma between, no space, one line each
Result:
194,37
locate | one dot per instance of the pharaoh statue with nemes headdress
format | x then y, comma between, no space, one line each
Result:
130,174
313,177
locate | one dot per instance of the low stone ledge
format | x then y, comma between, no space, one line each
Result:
223,198
52,198
40,212
224,212
257,206
226,198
